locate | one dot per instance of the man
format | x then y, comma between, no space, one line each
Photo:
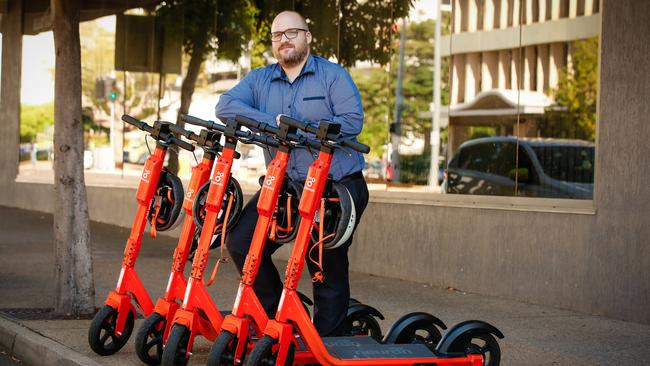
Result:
308,88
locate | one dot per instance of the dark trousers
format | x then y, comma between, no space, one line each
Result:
331,297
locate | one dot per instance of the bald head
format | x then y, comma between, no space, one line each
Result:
288,19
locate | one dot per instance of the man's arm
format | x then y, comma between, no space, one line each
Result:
240,100
346,104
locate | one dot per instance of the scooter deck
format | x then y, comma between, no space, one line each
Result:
367,348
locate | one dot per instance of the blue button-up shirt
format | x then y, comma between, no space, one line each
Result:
322,90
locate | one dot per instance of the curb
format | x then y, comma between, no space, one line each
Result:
34,349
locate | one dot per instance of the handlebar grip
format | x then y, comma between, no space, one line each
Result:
200,122
133,121
181,131
266,140
283,118
354,145
180,143
253,124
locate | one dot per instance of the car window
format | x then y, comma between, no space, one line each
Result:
476,157
567,163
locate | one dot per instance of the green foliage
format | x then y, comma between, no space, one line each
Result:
34,119
574,115
210,26
373,86
362,32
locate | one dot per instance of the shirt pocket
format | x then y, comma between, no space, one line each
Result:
318,97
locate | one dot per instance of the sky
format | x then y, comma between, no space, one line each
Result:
38,56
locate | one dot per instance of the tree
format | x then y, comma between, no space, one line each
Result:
574,113
206,27
348,30
74,288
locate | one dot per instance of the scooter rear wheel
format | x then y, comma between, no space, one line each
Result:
420,333
101,334
362,324
223,350
262,353
486,345
149,339
176,353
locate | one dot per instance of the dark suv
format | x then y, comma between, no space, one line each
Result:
555,168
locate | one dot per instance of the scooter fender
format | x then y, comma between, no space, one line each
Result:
409,320
453,343
358,308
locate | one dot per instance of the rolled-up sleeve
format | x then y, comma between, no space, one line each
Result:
346,104
240,100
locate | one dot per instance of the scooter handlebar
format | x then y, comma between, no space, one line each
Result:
137,123
355,145
180,143
201,122
253,124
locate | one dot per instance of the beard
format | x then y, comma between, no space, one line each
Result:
297,53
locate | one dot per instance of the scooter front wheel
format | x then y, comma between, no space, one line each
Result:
176,353
223,350
486,345
101,334
362,324
262,353
149,339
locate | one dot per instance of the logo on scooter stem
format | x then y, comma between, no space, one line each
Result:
268,183
145,175
309,184
218,178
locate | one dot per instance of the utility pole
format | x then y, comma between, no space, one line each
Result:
395,129
435,106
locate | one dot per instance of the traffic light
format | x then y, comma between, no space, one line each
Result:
106,89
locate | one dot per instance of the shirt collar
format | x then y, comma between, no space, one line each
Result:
308,67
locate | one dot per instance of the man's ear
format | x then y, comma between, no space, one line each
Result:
308,35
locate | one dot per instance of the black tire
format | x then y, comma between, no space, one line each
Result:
223,350
362,324
150,338
102,329
353,301
175,352
486,345
263,355
420,333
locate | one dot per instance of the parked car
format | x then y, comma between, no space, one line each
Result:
558,168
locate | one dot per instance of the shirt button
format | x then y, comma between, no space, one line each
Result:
289,107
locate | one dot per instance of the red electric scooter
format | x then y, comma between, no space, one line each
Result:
112,325
153,333
469,343
198,315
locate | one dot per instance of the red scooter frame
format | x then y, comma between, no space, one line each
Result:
155,329
115,319
278,343
247,312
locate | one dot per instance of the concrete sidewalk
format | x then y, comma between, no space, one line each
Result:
535,335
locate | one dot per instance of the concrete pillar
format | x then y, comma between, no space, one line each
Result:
472,75
490,71
472,16
557,61
458,12
488,15
503,81
555,9
589,7
529,77
541,11
515,11
542,67
573,8
528,7
515,69
457,135
458,79
12,51
503,14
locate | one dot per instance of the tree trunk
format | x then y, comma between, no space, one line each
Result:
187,90
74,291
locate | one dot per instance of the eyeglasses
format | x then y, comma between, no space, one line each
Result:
290,33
